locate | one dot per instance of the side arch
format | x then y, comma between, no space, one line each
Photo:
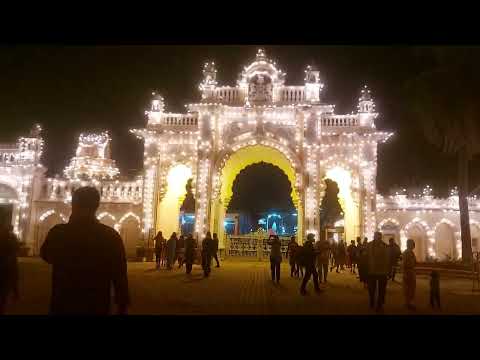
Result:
129,229
47,220
445,239
420,232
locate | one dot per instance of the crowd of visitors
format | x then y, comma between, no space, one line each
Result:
81,284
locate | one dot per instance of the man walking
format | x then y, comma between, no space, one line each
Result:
378,267
207,251
309,256
323,256
215,249
394,255
190,246
87,258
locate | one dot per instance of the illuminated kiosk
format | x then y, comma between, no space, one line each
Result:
259,119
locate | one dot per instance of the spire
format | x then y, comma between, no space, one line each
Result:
158,103
365,101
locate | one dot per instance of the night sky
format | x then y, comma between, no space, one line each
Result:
73,89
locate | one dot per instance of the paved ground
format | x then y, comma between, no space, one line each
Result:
243,287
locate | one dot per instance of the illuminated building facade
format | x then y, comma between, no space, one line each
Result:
258,119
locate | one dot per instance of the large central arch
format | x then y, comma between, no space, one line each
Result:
230,167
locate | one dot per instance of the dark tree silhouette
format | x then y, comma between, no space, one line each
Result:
188,204
330,209
446,102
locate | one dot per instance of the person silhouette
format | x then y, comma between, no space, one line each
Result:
8,266
87,259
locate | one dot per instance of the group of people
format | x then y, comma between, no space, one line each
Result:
82,284
375,261
185,250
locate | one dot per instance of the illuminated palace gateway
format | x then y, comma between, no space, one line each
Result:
232,127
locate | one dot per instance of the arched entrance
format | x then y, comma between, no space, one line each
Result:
445,241
350,207
129,229
46,221
390,228
168,210
226,174
418,233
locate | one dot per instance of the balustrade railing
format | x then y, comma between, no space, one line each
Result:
340,121
251,246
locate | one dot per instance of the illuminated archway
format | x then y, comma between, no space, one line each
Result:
238,161
344,180
168,210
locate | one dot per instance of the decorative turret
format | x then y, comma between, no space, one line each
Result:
313,86
209,82
157,107
365,102
31,147
92,159
366,108
158,103
261,55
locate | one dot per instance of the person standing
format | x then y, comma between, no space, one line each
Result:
378,267
361,261
341,255
207,251
8,267
394,254
333,252
159,248
171,250
215,248
190,247
275,257
323,257
87,258
291,249
409,274
309,256
352,256
180,251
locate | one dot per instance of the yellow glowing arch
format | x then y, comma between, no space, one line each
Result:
249,155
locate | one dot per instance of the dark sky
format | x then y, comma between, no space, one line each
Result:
73,89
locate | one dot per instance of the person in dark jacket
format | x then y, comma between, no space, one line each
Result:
180,251
171,250
333,255
341,255
291,249
160,245
275,257
207,251
378,267
215,249
394,254
190,246
309,262
352,256
87,259
8,266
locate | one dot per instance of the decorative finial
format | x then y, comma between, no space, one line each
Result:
158,103
261,54
365,94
